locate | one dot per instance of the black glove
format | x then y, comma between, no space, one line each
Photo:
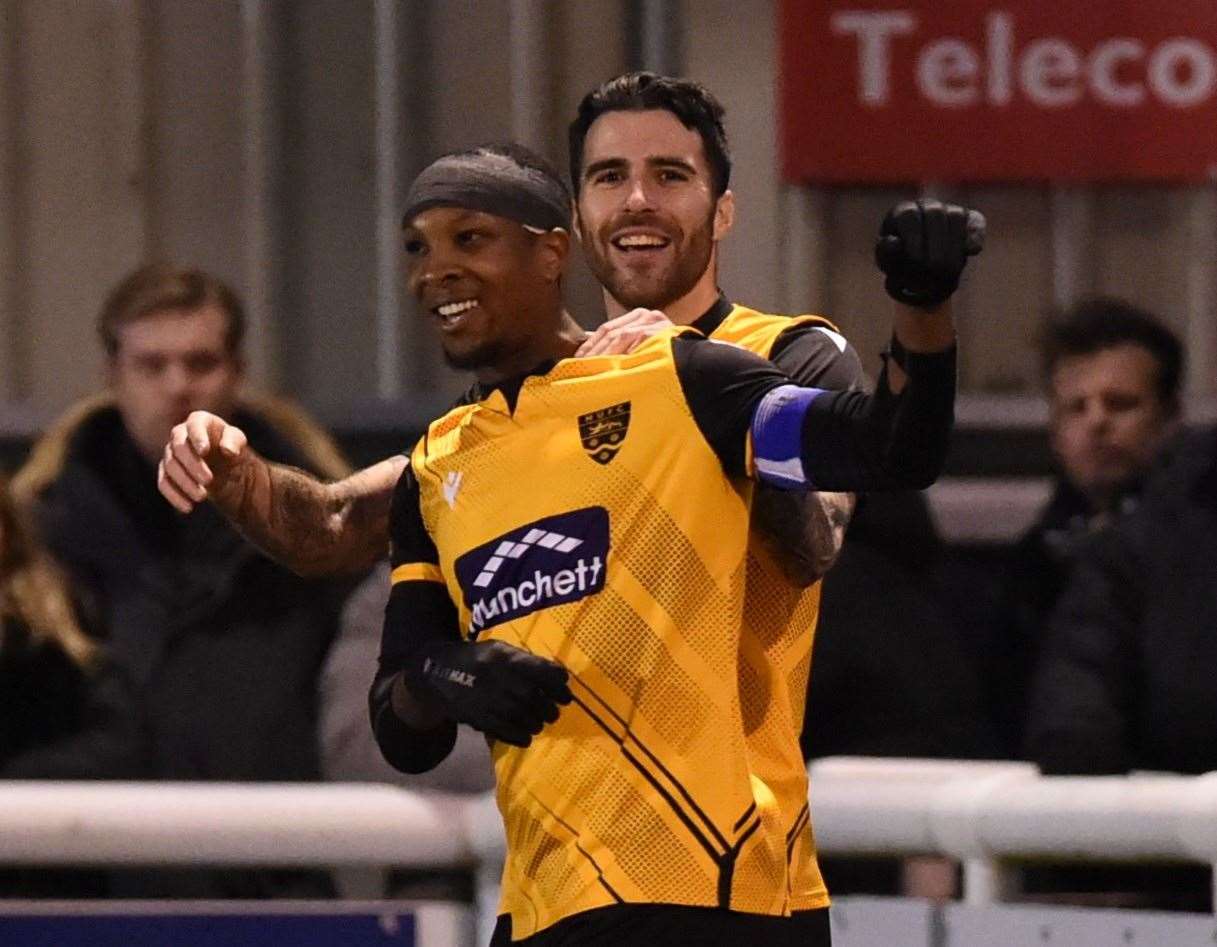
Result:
922,249
503,691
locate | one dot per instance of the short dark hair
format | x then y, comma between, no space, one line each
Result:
158,287
1097,323
691,102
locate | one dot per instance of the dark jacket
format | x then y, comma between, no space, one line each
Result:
1126,678
60,720
890,675
223,647
1034,575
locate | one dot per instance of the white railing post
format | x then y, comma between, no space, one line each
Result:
485,831
989,881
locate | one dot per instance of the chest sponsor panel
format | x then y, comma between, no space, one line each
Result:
547,562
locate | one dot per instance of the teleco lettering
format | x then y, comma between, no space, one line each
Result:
1050,72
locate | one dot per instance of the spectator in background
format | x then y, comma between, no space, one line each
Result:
66,712
223,647
1113,373
1126,679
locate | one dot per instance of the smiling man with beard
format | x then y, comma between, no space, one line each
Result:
651,168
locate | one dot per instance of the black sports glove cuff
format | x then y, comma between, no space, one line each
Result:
437,662
404,747
921,364
907,286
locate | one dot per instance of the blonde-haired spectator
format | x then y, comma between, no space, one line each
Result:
66,712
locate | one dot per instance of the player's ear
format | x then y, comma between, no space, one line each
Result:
724,214
553,246
576,226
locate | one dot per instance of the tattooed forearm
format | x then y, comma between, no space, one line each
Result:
803,531
311,527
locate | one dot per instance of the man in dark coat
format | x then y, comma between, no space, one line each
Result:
222,646
1126,681
1112,372
1072,675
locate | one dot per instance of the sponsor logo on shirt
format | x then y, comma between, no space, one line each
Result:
548,562
603,431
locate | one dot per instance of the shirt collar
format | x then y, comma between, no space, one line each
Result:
510,387
713,317
706,323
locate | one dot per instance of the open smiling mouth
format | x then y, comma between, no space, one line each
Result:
640,242
453,315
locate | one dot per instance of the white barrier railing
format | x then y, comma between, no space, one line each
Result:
978,813
241,824
285,824
982,813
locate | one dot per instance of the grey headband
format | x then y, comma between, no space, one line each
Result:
492,183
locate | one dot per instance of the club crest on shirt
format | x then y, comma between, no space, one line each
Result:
603,431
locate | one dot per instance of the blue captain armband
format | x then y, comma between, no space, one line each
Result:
777,437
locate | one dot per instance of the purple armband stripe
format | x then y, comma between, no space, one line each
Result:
777,436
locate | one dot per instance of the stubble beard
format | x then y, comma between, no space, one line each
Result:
656,289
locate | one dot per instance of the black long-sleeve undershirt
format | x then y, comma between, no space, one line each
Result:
851,440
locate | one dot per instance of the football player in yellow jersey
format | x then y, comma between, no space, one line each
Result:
651,169
614,581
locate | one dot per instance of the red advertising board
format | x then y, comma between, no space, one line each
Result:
896,91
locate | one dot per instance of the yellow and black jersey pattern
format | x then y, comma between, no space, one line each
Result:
758,331
622,554
775,658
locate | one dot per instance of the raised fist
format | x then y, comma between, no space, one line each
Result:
923,247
